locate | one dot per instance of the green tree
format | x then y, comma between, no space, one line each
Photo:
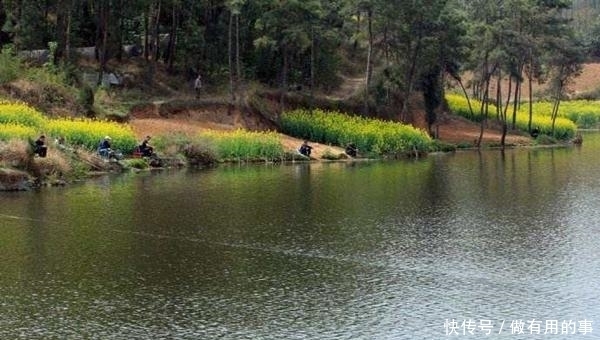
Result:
284,28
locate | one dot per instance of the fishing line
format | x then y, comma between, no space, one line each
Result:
13,217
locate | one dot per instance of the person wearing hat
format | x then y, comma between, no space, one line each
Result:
104,149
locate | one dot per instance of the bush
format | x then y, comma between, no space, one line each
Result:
199,155
10,65
585,113
136,163
54,165
86,98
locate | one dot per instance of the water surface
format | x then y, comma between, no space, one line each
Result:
366,250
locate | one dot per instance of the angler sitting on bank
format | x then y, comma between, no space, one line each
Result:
104,149
351,150
145,148
305,149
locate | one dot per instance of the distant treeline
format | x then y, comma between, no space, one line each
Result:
398,47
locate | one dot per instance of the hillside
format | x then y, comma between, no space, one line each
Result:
170,105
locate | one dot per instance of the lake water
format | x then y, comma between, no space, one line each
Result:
422,249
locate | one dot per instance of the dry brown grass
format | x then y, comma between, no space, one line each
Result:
55,164
15,154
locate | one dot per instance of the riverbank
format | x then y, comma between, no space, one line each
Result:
191,137
182,113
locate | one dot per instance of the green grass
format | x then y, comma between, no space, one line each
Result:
369,135
242,145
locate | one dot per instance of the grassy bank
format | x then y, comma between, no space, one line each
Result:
210,147
372,136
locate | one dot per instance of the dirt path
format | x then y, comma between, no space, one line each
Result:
458,130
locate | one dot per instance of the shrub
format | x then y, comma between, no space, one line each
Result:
442,146
199,155
86,98
10,65
136,163
171,144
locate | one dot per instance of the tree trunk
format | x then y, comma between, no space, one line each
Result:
530,118
284,71
67,55
63,17
505,114
517,95
312,68
555,106
120,29
230,54
410,78
486,78
170,58
369,56
238,73
147,34
516,102
103,14
156,31
464,90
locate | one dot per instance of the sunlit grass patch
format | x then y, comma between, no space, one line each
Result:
89,133
585,113
242,145
369,135
16,131
17,113
564,128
